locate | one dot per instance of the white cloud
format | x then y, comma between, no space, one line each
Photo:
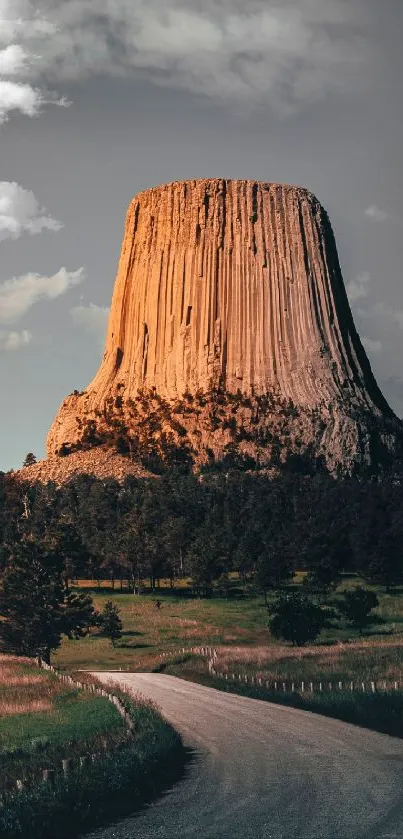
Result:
15,96
372,346
21,212
376,214
13,60
21,18
19,294
284,53
21,27
14,340
18,96
359,288
93,319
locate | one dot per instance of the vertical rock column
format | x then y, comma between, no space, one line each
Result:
236,283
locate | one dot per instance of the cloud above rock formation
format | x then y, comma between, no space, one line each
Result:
10,341
20,212
22,29
285,54
18,295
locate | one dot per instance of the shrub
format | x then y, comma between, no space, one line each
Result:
297,619
357,605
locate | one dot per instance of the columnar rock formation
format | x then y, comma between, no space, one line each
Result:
232,285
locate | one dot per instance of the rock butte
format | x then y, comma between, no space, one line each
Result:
230,283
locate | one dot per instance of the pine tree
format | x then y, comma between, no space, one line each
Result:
35,606
110,622
30,460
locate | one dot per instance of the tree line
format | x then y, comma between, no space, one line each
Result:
204,527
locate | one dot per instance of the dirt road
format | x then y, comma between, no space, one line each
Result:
263,771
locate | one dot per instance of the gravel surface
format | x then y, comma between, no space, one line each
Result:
264,771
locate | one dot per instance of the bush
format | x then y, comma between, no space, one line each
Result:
297,619
357,605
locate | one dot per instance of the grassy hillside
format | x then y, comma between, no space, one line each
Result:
237,626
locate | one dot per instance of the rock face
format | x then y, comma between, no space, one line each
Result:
233,286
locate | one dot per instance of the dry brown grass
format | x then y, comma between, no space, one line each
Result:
24,691
8,709
361,659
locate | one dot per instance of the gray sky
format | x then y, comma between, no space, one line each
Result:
102,98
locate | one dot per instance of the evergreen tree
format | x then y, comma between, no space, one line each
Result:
110,622
274,564
30,460
322,535
35,606
206,558
379,534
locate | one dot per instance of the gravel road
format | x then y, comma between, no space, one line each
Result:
262,771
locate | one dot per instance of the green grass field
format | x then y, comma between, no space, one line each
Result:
43,721
74,716
238,629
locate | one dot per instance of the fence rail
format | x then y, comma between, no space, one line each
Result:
68,765
286,686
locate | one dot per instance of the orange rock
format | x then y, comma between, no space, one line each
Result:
228,283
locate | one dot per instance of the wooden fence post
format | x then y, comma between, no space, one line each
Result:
66,766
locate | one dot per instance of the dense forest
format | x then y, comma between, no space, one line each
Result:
203,527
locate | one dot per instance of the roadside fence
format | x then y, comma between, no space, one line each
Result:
287,686
62,770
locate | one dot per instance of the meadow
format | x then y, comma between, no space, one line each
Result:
236,626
